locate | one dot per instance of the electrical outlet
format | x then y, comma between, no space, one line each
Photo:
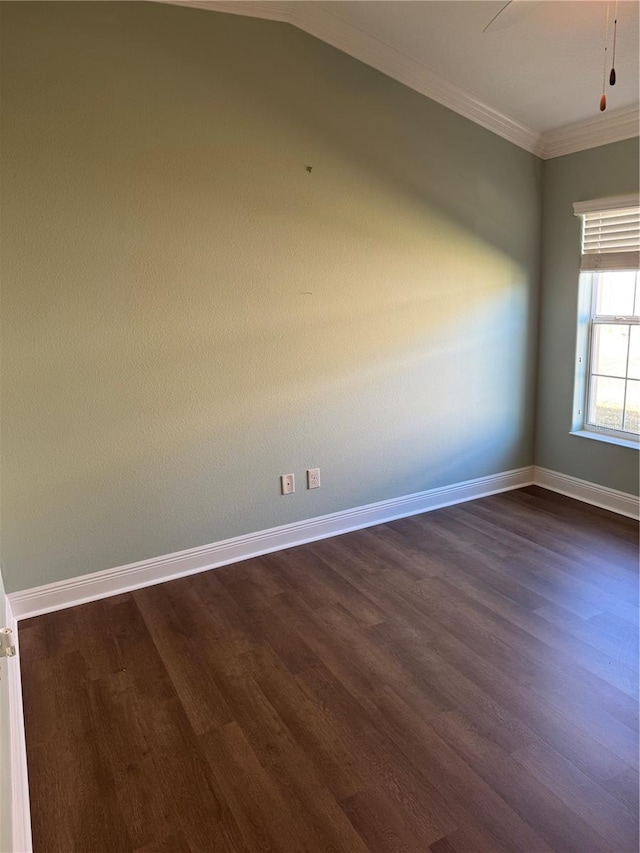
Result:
287,484
313,478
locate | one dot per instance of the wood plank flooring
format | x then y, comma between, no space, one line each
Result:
459,682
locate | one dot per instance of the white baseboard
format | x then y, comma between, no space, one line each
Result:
57,596
20,805
591,493
68,593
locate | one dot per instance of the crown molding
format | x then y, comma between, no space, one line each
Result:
619,125
333,30
318,22
271,10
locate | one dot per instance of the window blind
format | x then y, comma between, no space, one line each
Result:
610,233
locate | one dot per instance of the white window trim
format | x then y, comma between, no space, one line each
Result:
590,265
579,426
606,439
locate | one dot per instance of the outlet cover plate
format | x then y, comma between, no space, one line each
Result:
287,484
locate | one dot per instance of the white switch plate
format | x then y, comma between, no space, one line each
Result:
313,478
287,484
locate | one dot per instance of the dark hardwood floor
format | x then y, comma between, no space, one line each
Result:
459,682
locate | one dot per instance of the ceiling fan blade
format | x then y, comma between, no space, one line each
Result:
510,13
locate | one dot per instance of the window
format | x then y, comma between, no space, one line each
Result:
613,393
607,397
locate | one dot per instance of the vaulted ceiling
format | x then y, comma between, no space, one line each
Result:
535,76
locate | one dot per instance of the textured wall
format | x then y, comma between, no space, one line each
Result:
599,172
188,312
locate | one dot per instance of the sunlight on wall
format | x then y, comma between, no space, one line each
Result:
191,312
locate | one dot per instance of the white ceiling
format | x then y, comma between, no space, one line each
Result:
543,66
534,77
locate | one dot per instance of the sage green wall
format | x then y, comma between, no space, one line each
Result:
188,312
599,172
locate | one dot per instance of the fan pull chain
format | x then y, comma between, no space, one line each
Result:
497,15
612,76
603,97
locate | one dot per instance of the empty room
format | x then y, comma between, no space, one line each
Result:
319,426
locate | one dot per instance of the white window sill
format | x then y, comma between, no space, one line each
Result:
607,439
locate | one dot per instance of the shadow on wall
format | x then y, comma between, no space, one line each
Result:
435,157
192,312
